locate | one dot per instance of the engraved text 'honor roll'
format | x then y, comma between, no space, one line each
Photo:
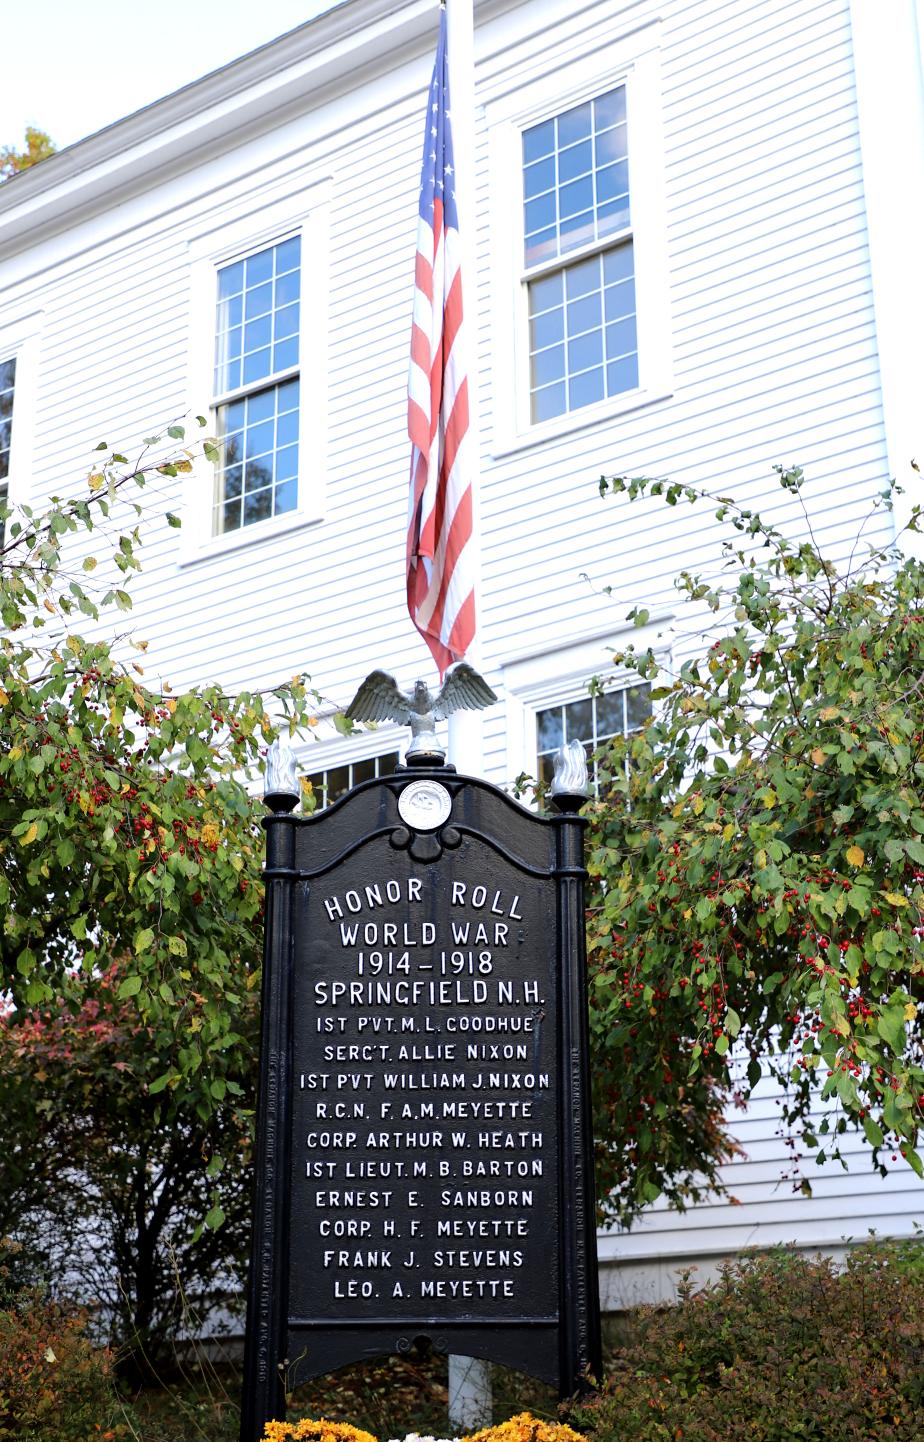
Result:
425,1118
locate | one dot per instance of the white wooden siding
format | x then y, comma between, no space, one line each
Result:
774,360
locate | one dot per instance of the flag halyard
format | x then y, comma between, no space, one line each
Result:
440,562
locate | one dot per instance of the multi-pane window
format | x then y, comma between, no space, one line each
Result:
257,386
592,720
580,275
7,386
336,781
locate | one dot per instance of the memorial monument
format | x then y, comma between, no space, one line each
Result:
424,1162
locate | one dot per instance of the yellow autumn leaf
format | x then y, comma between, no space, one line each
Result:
768,797
841,1025
30,835
688,913
829,713
95,480
698,805
15,752
210,834
895,898
911,1011
818,756
760,859
4,698
856,855
676,810
728,831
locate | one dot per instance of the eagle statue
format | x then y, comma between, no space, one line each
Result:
379,698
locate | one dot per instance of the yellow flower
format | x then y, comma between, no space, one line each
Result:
309,1430
526,1428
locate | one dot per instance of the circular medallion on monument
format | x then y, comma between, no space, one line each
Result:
425,805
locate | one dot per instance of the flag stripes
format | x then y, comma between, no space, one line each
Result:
440,574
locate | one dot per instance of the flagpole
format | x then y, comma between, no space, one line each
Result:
469,1377
466,730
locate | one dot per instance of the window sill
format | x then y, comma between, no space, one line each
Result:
574,421
193,552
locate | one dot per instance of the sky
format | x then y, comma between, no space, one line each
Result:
82,64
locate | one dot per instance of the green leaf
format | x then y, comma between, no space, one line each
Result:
721,1045
214,1218
891,1027
143,939
173,520
129,987
873,1132
176,946
732,1022
25,961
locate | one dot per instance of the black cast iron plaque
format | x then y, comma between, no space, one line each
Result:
426,1143
425,1167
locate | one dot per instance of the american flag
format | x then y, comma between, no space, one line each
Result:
440,579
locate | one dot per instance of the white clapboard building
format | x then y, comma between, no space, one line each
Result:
693,254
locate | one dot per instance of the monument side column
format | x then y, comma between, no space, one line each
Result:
580,1288
267,1309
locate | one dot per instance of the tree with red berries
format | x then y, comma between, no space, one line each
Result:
758,859
130,889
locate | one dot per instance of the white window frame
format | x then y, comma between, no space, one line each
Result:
307,216
619,56
534,682
19,341
342,759
336,750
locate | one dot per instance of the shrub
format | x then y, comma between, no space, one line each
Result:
55,1386
781,1348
